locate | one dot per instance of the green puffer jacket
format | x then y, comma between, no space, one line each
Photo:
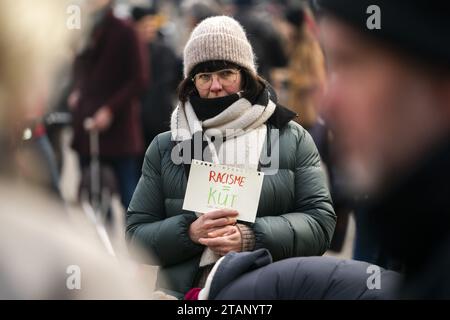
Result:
295,214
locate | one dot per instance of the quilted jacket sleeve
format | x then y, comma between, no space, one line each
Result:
308,229
148,226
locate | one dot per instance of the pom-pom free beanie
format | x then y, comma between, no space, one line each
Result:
218,38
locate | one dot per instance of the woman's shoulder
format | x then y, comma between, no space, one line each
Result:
295,127
292,130
297,139
161,143
164,139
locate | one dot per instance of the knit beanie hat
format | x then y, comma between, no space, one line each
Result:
419,28
218,38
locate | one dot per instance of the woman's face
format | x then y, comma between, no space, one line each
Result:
218,84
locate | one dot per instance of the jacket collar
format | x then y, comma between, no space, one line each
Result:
281,117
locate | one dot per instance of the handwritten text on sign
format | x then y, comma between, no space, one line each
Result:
212,187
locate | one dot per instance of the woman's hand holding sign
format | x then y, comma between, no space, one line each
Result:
225,240
213,221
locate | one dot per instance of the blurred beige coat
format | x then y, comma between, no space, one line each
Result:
306,77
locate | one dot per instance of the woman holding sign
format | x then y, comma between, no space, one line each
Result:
228,120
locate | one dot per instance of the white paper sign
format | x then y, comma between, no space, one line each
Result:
212,186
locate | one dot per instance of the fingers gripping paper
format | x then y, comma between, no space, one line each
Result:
212,186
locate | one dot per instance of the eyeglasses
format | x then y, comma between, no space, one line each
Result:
226,77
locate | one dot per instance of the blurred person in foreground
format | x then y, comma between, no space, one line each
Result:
388,100
109,76
41,250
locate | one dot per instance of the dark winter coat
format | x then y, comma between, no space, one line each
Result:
413,222
157,100
252,276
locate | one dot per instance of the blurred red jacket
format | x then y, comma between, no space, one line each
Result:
111,71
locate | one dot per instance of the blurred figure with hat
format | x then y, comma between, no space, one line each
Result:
388,102
163,73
